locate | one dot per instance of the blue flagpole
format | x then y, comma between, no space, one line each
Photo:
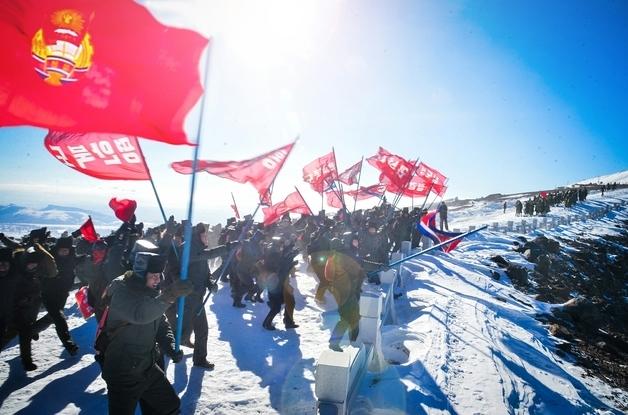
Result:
187,233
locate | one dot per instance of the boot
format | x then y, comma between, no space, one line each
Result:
238,304
289,324
71,347
204,364
28,365
268,323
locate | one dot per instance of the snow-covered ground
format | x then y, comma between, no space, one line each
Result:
464,344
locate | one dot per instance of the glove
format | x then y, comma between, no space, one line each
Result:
178,289
176,356
212,286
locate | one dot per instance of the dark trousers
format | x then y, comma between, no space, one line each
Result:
197,323
54,306
153,392
349,320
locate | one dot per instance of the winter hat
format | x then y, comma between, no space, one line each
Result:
146,262
64,242
39,234
31,255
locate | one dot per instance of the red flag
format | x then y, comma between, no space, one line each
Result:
416,187
431,175
394,167
376,190
88,231
333,200
87,65
104,156
350,175
321,172
427,227
294,202
124,209
259,171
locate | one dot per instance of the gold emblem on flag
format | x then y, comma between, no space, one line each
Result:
66,53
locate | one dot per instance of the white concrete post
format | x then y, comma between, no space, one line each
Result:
544,223
510,225
524,225
495,226
370,323
471,228
406,246
535,223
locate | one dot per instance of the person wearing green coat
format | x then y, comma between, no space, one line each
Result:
135,315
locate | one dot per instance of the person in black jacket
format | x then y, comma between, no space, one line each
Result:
276,266
134,321
55,293
8,283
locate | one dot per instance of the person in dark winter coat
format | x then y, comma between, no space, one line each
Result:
8,282
55,293
135,317
442,214
34,265
346,277
318,250
200,276
276,266
91,271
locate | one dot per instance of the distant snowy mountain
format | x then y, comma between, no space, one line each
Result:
619,177
51,215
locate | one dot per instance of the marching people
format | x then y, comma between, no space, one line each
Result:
134,319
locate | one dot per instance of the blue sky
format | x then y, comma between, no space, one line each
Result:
499,96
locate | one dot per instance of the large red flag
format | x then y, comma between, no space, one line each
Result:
416,187
105,156
394,167
294,202
96,66
88,231
433,177
333,200
259,171
321,172
376,190
124,209
350,175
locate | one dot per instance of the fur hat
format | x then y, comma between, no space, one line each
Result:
6,255
64,242
146,262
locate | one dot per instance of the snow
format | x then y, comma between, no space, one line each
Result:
619,177
463,344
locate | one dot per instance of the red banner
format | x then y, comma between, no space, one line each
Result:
71,65
350,175
124,209
417,187
376,190
333,200
88,231
394,167
433,176
292,203
321,172
259,171
104,156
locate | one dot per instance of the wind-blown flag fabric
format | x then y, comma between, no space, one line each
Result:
88,231
333,200
349,176
435,179
97,66
416,187
427,227
124,209
321,172
104,156
376,190
292,203
260,171
394,167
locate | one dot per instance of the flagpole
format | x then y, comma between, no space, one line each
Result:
152,183
355,201
428,195
342,195
308,206
235,205
185,260
245,229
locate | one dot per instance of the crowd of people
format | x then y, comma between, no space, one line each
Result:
133,278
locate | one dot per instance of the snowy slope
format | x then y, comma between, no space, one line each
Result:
463,344
619,177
